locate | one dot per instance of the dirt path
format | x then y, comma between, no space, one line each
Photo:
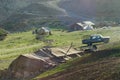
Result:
100,70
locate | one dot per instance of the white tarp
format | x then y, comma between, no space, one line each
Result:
88,27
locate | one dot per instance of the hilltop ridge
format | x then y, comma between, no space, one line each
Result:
28,12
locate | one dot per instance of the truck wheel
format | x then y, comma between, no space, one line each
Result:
89,44
94,48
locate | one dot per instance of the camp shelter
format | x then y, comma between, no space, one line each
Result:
88,27
76,27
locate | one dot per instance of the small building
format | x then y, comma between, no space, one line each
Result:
85,25
76,27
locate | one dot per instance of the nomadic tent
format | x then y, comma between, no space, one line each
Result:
88,27
88,23
76,27
85,25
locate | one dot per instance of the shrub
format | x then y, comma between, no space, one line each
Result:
3,34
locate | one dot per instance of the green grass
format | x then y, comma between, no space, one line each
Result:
15,45
25,43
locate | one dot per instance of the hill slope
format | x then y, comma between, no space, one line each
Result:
11,7
20,15
77,8
16,44
23,12
100,65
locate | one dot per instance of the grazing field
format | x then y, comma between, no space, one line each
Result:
25,43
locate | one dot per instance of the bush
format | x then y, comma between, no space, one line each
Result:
3,34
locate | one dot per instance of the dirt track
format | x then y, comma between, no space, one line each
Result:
100,70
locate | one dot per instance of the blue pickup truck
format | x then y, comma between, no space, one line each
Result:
96,38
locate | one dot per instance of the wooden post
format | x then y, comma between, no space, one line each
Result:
69,49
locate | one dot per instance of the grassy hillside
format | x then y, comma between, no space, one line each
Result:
17,15
11,7
24,22
16,44
100,65
23,43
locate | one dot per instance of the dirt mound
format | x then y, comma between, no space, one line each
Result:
106,69
27,66
30,65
